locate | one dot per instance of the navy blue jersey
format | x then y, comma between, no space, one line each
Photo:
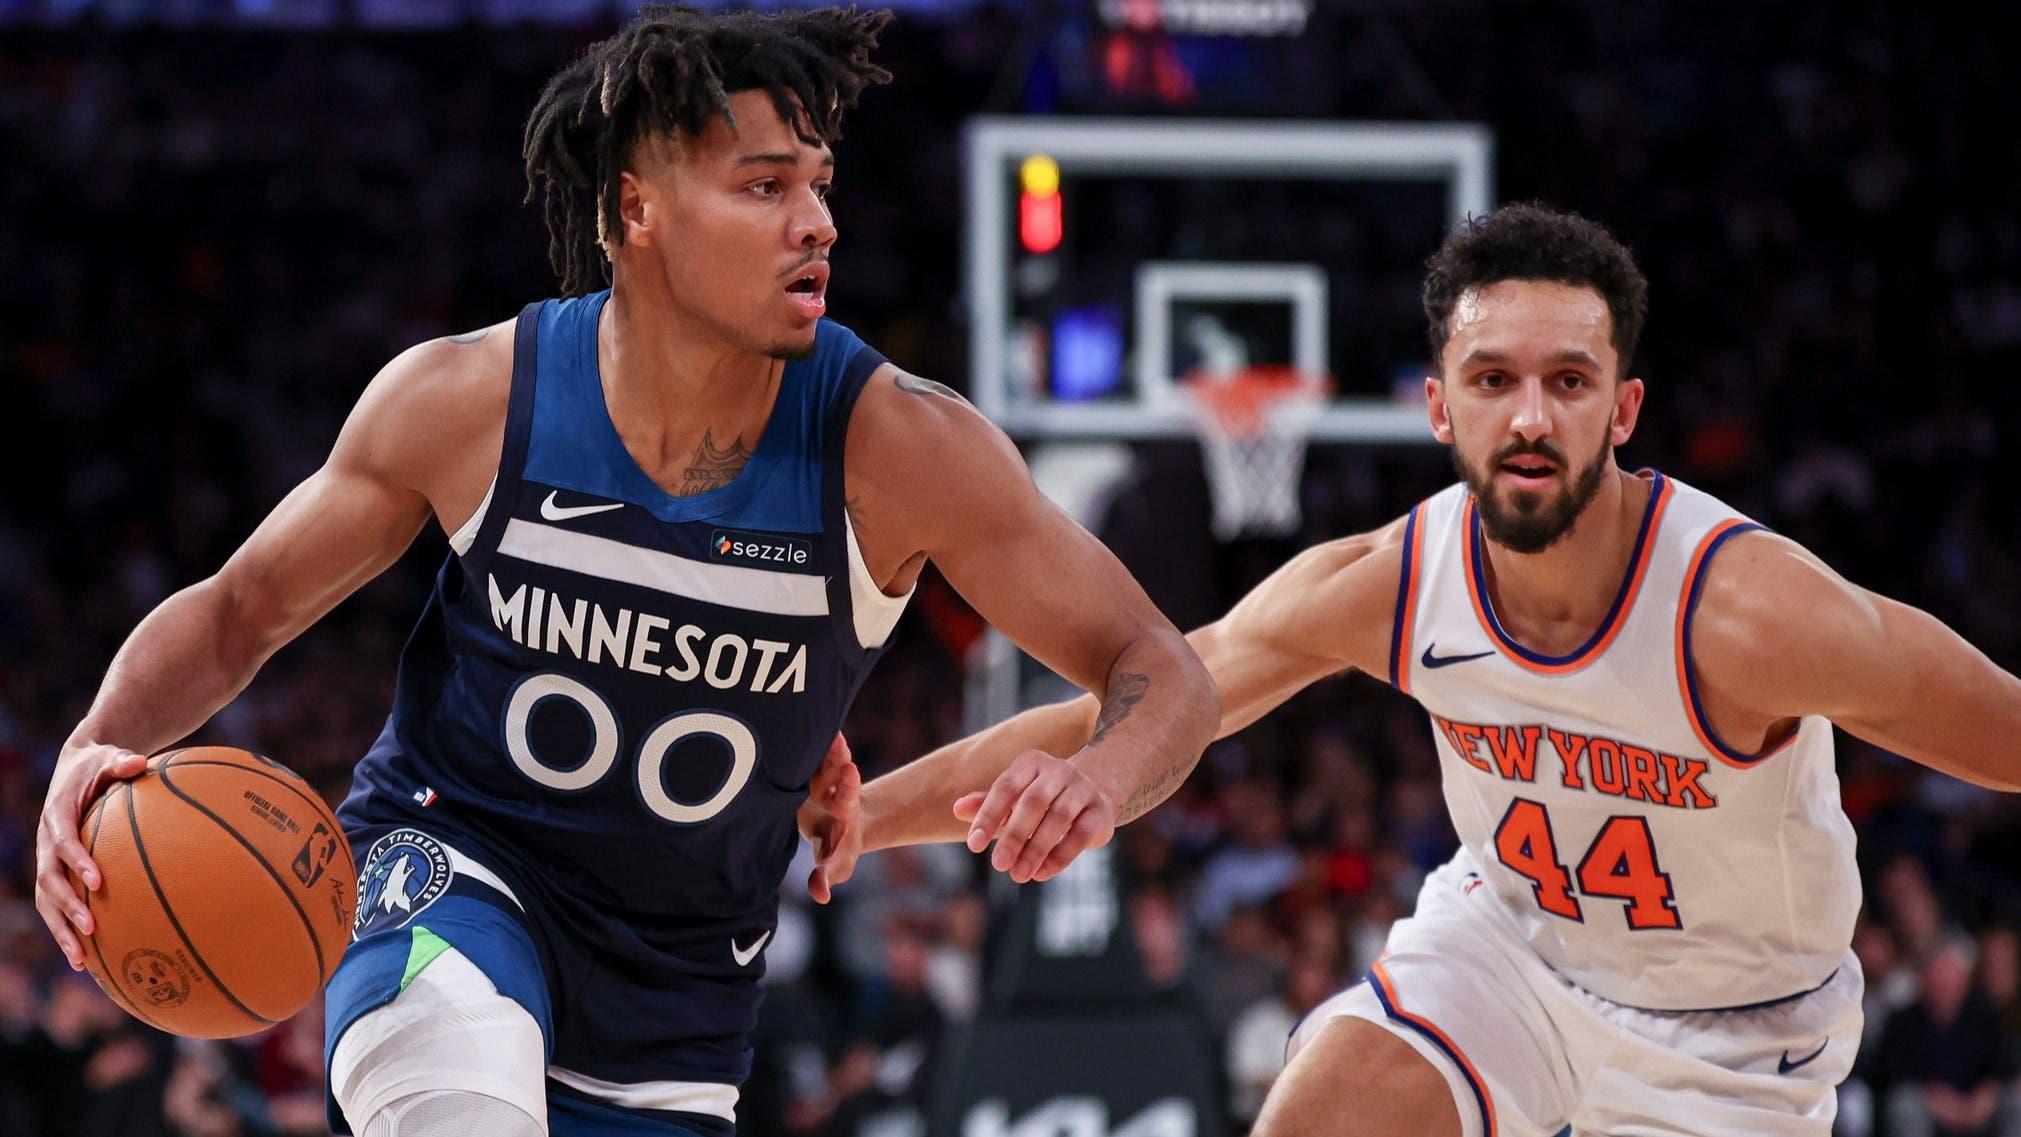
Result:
616,698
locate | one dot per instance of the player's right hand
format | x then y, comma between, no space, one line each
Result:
1042,812
82,773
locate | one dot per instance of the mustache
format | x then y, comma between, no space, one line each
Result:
1539,448
803,262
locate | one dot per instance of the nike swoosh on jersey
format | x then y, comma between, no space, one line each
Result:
1430,660
1784,1066
744,956
552,510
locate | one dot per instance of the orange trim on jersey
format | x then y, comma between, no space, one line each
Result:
1405,628
1687,687
1386,989
1617,616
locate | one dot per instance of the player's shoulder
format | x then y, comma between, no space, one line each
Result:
1762,599
905,427
433,397
1375,552
1756,572
895,397
444,374
1369,566
1339,583
1334,599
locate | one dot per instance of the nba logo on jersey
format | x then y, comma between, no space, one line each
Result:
405,871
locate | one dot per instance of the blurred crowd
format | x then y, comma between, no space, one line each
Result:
215,238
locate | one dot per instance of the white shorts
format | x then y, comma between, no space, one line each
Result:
1526,1053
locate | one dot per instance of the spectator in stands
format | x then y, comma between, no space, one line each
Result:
1942,1061
1244,963
893,1037
1255,864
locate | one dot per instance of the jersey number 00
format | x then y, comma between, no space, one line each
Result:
603,749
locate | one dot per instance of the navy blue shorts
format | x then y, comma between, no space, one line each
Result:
418,896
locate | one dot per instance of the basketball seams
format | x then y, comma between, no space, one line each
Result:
294,784
308,927
140,846
111,985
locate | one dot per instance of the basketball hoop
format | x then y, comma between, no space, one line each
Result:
1253,425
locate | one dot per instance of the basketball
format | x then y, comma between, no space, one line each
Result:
227,897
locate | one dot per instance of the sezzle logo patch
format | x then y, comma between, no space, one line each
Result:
759,548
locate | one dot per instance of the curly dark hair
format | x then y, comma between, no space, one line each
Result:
1532,241
674,68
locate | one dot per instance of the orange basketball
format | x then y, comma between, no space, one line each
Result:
228,893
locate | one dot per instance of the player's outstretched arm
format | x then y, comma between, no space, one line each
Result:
197,650
1777,635
930,477
1327,610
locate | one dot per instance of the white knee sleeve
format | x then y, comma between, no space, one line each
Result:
447,1051
451,1113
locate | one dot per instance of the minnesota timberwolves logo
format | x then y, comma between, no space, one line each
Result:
405,871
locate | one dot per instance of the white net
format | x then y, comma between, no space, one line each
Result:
1253,434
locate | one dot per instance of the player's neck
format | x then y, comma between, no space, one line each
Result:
1560,596
661,369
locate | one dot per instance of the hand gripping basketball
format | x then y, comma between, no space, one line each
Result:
83,771
1042,812
224,890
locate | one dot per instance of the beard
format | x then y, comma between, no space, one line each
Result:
795,345
788,352
745,333
1525,521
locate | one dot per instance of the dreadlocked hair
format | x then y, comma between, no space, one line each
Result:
674,68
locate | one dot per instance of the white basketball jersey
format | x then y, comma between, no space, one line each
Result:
1644,858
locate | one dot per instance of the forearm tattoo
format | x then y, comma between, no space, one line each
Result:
1125,692
1148,796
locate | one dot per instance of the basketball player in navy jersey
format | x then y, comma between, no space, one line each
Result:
685,513
1647,928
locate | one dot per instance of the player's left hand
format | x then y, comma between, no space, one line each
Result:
831,820
1042,812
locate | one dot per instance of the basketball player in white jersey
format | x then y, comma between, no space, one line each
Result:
1632,690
